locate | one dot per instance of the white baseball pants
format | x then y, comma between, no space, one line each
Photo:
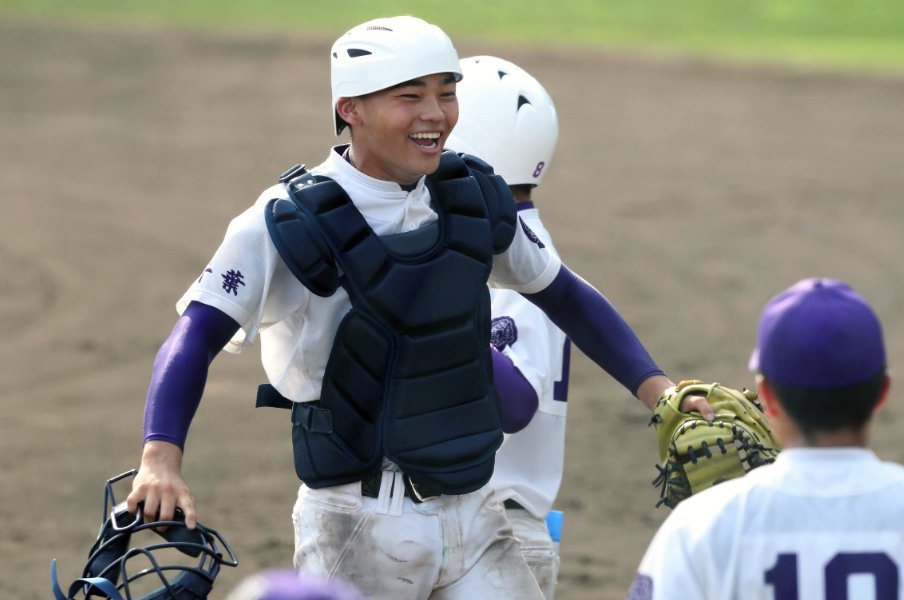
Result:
537,548
446,548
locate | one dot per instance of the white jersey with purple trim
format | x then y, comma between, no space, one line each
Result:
529,463
817,524
247,279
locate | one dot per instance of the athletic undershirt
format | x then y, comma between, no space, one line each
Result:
597,328
180,371
516,395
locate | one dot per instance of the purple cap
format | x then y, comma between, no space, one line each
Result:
286,584
819,334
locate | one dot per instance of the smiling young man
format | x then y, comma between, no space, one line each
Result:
398,133
366,279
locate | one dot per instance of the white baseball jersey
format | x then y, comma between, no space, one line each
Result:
247,279
529,463
817,524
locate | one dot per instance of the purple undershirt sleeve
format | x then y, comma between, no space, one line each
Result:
596,327
517,396
180,371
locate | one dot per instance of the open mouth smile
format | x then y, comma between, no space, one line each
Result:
426,139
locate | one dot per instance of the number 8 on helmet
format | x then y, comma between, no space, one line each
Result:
508,119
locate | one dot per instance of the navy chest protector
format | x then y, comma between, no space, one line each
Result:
409,376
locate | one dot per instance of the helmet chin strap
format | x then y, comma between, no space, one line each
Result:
89,583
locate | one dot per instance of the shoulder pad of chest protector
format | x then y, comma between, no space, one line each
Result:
498,196
296,236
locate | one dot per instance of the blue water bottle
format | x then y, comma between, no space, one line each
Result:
554,524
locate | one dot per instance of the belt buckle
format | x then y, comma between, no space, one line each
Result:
415,494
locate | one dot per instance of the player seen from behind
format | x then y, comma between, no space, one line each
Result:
826,519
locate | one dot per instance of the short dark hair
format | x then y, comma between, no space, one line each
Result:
522,188
815,410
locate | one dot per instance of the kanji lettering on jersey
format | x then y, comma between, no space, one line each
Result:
232,279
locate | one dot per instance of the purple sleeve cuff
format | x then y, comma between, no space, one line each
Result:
180,371
517,396
597,328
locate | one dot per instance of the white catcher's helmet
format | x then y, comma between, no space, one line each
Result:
506,118
384,52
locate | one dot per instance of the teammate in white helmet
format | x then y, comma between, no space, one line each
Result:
508,119
826,520
366,281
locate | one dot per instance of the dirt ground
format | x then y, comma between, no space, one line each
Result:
688,193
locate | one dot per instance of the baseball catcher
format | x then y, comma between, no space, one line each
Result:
695,453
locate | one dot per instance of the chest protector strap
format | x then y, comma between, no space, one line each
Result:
409,376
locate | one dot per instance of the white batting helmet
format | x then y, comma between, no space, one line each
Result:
506,118
384,52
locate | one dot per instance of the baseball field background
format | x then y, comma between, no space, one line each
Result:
711,153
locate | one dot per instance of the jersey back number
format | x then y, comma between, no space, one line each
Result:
878,567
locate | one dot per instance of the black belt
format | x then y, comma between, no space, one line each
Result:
509,503
370,487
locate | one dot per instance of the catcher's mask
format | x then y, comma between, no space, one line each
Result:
134,559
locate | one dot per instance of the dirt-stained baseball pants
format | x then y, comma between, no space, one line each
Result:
537,548
446,548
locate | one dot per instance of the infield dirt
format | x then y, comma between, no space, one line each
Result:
688,193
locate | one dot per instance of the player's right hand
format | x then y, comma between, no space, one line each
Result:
159,485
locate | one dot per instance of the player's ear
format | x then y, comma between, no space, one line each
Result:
883,395
770,403
350,110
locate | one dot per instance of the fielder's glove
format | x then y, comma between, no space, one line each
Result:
695,453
